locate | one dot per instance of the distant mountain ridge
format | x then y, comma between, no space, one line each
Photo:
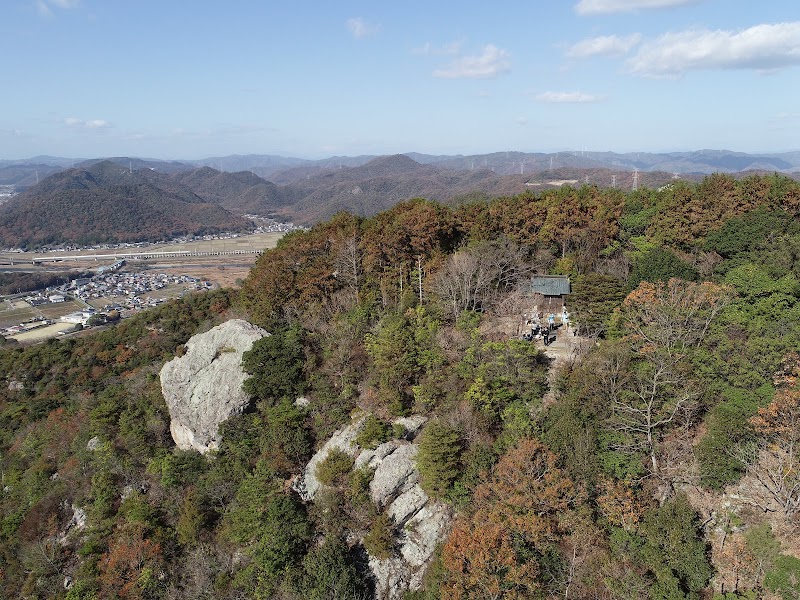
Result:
127,199
275,168
105,203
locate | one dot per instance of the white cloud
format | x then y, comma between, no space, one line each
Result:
599,7
567,97
606,45
762,47
450,49
360,29
45,7
491,62
521,121
91,124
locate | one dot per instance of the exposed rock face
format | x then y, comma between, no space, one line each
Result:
422,522
203,387
412,424
307,484
395,489
76,524
395,473
417,542
372,458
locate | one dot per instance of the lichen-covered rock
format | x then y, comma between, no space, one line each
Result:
76,524
203,387
412,425
392,577
372,458
307,484
417,543
407,504
423,531
396,473
421,523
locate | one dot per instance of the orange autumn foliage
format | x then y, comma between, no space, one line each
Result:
132,560
519,506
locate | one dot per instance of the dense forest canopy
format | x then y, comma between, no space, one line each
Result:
661,463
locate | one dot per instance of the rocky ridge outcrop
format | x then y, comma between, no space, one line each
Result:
203,387
307,485
420,522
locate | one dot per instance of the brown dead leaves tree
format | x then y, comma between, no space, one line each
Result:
473,278
523,507
654,393
774,463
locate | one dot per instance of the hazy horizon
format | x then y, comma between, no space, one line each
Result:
330,156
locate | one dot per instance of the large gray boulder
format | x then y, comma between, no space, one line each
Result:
421,522
203,387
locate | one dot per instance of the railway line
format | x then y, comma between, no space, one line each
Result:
143,255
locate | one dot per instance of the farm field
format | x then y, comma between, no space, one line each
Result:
44,333
256,241
14,312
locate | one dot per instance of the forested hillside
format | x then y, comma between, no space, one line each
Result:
241,192
661,463
108,203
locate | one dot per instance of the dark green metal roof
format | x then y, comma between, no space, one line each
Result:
550,285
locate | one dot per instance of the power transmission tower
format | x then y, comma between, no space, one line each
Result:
635,179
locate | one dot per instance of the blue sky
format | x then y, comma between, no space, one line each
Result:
199,78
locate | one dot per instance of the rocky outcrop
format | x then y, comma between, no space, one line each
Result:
307,484
420,522
394,475
76,524
417,542
412,425
203,387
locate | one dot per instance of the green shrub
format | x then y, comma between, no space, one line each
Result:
438,458
659,264
335,465
727,425
373,433
379,541
358,494
784,578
